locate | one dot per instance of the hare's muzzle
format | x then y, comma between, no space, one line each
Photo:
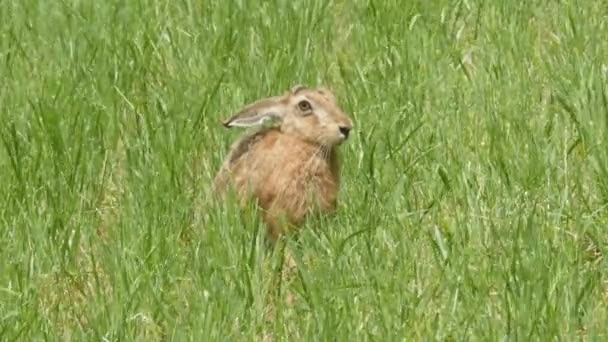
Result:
344,131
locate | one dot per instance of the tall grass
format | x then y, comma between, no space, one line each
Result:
475,194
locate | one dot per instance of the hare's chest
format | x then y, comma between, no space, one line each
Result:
307,184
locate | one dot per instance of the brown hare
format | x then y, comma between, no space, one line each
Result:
292,168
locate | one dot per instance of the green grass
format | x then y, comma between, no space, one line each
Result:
475,186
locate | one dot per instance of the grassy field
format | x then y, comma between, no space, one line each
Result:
475,186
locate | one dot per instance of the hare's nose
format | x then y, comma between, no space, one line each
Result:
344,130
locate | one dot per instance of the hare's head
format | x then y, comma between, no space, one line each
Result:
309,114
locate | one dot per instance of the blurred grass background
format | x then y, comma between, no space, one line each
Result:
475,186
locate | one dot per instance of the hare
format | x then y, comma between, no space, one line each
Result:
291,169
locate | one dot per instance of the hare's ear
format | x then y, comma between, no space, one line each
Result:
297,88
258,112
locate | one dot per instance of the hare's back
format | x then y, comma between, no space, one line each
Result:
244,147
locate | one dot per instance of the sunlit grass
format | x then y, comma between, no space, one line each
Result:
475,186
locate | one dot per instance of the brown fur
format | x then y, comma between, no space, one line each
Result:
291,170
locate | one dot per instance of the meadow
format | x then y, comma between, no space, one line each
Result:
474,202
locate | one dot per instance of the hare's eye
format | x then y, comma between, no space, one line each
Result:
304,106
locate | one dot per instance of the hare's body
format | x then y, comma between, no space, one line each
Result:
289,174
288,177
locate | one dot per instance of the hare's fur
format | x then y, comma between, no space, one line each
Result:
290,174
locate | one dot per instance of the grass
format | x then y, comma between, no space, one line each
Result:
475,187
